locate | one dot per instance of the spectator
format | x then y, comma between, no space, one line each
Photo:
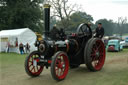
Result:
8,46
27,48
21,48
16,42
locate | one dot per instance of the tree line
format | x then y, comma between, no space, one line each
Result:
15,14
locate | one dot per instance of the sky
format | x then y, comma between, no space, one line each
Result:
99,9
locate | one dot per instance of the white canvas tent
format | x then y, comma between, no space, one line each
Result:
24,36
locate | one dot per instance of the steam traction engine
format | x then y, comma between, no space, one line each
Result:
78,48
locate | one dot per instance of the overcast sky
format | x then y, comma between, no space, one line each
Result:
110,9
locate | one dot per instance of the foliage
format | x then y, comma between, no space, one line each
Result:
76,19
16,14
63,10
108,26
80,17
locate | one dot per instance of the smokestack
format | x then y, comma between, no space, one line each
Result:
46,19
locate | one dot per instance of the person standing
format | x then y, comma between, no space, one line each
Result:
21,48
99,31
27,48
16,42
8,46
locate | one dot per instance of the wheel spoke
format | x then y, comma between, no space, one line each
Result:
94,50
30,65
61,71
56,69
30,61
32,69
98,47
101,54
37,68
81,29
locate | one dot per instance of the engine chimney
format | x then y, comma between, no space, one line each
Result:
46,19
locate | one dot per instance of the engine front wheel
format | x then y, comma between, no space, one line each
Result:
95,55
31,64
59,66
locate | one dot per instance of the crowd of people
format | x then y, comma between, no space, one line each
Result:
22,47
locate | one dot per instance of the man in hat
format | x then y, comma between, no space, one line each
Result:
99,31
54,33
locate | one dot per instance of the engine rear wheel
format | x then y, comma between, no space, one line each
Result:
31,66
59,66
95,54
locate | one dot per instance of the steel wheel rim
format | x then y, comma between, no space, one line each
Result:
98,55
61,66
35,70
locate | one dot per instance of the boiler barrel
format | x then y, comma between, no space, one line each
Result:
70,46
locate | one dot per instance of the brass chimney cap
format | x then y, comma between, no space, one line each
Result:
47,6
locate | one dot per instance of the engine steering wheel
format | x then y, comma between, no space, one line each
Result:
84,29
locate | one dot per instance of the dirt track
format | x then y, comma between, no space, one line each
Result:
114,72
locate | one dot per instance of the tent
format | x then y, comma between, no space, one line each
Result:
15,37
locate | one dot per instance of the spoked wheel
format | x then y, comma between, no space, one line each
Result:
95,55
84,29
59,66
31,64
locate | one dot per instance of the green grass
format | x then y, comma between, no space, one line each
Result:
11,62
115,72
9,58
117,53
125,34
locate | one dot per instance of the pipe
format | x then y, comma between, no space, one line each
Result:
46,19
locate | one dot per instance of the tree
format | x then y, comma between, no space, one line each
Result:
108,26
79,17
63,10
121,24
20,14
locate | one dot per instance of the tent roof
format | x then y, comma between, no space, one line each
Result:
12,32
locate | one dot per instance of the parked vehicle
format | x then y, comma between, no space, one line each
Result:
126,42
114,45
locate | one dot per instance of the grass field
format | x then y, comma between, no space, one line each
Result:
114,72
125,34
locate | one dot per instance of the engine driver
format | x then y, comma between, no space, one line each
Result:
99,31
